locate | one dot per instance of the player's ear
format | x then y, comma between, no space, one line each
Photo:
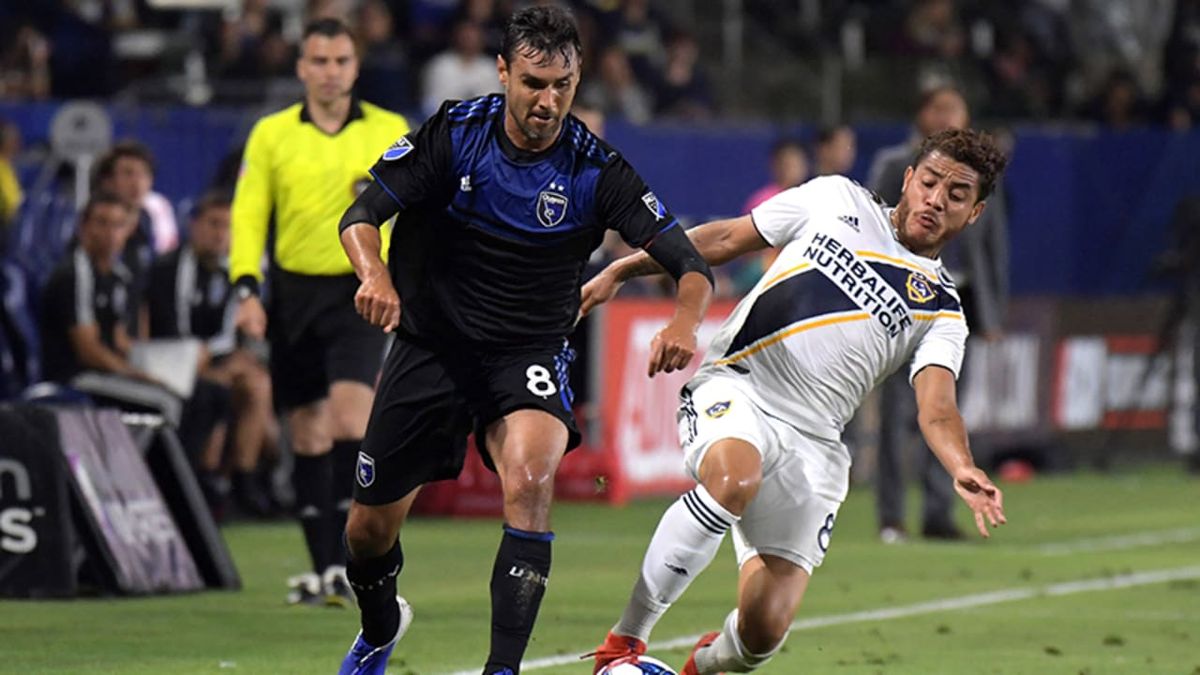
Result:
908,174
976,211
502,70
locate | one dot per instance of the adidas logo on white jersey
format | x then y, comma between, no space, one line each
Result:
852,221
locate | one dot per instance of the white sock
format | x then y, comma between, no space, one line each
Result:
685,542
728,654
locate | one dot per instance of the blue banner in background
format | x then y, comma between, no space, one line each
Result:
1089,210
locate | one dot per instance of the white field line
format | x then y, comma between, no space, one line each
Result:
900,611
1122,541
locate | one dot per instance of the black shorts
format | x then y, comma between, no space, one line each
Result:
317,337
430,400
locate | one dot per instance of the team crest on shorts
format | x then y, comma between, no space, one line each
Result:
718,409
919,288
366,470
551,208
398,149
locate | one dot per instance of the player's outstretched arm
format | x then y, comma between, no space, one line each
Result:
944,431
718,242
376,300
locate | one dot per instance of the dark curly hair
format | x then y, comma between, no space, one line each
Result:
976,149
542,30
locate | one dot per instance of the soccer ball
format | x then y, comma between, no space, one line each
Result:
637,665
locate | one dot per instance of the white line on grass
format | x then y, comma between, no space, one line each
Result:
946,604
1122,541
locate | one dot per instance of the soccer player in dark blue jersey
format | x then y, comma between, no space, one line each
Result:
499,201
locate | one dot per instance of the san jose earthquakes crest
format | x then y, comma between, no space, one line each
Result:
551,208
366,470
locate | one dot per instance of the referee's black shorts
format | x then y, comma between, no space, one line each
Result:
318,338
430,399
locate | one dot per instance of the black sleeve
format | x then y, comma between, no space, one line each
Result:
160,297
373,206
626,205
419,167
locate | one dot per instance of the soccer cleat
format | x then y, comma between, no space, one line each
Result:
363,659
304,589
616,647
336,587
705,640
893,534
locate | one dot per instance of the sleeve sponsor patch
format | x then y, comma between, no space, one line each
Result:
398,149
655,206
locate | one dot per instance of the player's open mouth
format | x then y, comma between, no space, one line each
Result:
927,221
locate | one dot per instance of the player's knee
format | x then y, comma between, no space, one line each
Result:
733,491
368,533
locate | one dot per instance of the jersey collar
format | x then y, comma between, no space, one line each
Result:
356,113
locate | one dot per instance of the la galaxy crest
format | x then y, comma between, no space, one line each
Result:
398,149
551,208
718,409
920,289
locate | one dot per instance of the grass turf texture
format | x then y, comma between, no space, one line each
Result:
1148,629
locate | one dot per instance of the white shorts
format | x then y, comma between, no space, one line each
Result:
805,478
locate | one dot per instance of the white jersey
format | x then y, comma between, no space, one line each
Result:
843,306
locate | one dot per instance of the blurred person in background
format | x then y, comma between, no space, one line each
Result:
682,91
89,306
127,171
384,77
835,150
302,167
11,195
615,91
24,64
789,167
978,262
190,296
1119,104
461,72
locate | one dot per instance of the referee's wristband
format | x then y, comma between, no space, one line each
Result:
245,287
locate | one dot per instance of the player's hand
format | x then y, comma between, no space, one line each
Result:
378,302
672,347
598,290
984,498
251,318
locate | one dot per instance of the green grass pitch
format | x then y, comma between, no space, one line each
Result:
1061,529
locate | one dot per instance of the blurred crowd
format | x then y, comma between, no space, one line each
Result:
1122,63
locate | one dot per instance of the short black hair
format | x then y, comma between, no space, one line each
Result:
546,30
211,200
98,199
107,165
976,149
328,27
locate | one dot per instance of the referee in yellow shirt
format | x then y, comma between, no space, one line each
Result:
305,165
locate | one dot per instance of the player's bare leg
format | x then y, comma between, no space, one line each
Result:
526,447
375,561
685,542
349,411
769,593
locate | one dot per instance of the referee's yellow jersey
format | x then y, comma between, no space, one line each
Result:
308,179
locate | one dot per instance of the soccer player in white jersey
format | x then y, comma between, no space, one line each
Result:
856,292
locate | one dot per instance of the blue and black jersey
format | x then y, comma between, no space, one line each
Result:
491,240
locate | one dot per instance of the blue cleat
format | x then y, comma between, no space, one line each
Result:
364,659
